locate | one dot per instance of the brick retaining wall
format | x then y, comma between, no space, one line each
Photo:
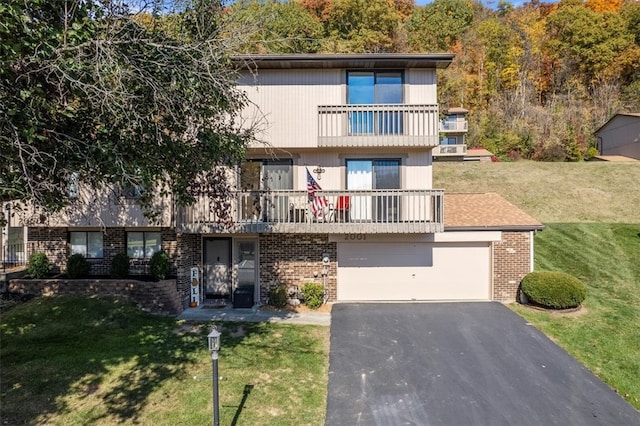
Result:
159,297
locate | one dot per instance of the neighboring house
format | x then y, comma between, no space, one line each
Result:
620,136
453,128
453,147
341,194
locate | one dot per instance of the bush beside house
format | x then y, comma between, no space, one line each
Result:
554,290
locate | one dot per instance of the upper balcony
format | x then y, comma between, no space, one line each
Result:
336,212
451,126
377,125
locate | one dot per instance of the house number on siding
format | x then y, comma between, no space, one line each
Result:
354,237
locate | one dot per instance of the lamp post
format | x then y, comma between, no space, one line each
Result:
214,347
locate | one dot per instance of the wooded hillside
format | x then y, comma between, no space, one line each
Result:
538,79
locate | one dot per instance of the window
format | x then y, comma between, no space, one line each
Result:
133,192
266,175
374,174
143,244
74,179
448,141
375,88
88,244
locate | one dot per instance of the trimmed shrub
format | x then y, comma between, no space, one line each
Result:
77,266
39,266
120,266
313,295
159,265
278,296
555,290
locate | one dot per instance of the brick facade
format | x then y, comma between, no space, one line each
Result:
294,259
188,254
54,243
290,259
511,262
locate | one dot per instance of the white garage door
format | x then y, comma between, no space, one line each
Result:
414,271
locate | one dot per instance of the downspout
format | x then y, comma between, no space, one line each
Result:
531,260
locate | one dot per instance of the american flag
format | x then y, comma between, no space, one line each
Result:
317,203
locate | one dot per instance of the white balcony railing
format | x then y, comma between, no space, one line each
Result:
454,126
377,125
375,211
450,150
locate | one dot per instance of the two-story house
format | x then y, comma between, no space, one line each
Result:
338,192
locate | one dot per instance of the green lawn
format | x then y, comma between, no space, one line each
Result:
69,361
605,335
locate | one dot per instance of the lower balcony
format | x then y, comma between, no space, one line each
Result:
334,212
458,150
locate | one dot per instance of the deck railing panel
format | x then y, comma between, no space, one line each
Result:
346,211
450,150
454,126
377,125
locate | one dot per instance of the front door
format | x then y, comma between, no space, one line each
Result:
217,267
247,272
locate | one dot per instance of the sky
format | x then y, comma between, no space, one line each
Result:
490,3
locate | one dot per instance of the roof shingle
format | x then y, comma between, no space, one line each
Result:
485,211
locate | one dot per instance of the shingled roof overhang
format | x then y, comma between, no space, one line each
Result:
345,61
485,212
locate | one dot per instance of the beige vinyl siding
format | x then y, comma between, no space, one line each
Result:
285,102
420,87
288,101
417,171
106,208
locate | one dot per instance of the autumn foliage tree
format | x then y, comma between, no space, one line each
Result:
91,95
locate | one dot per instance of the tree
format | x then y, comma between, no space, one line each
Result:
604,5
357,26
587,44
275,27
91,96
439,25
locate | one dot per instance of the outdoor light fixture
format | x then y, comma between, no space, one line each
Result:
214,340
214,346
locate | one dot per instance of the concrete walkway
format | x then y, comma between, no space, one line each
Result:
255,315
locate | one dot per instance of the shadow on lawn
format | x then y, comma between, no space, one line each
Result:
56,354
55,348
245,394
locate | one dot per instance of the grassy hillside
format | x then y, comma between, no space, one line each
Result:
553,192
592,215
604,334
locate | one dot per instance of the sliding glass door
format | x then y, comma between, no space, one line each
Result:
367,175
374,88
257,176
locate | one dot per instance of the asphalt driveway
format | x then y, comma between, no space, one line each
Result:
457,364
